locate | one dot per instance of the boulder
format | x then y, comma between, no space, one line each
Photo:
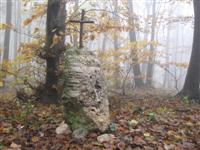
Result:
84,94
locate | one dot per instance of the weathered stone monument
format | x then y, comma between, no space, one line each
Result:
84,94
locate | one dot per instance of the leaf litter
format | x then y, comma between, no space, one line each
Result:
137,124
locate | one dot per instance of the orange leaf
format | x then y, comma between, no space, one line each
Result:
56,40
4,26
27,21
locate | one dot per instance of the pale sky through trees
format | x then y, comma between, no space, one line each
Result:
178,13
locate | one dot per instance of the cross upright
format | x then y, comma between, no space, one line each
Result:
82,21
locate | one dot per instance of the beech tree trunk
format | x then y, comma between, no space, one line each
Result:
150,65
146,35
18,21
7,40
132,35
75,36
116,73
55,27
192,81
166,74
7,32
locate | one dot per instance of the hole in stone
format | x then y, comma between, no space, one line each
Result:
93,109
97,85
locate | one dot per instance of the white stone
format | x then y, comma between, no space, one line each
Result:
85,83
106,138
63,128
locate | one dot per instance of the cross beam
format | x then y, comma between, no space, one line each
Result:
82,21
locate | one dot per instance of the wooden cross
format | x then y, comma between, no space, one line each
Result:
82,21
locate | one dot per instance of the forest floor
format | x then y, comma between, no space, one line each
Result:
138,122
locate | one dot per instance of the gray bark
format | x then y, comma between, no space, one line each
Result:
116,73
7,32
17,36
146,35
192,81
75,36
56,14
150,66
166,75
132,35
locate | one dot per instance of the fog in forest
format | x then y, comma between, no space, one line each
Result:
173,25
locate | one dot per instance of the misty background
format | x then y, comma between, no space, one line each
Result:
173,33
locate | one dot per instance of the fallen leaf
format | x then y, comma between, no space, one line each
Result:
132,123
15,146
35,139
147,134
139,141
169,146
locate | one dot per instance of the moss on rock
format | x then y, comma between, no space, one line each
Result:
75,116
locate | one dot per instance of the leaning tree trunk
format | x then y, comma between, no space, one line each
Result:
136,67
192,81
55,31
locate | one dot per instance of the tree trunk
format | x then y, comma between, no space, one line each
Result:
16,24
75,35
132,35
166,74
7,40
116,73
55,26
17,36
192,81
7,32
150,65
146,35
